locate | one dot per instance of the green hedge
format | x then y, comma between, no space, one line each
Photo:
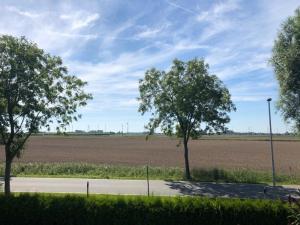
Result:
118,210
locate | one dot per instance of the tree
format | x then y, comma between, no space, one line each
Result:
286,63
186,100
35,91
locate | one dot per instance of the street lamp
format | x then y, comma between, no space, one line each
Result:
271,142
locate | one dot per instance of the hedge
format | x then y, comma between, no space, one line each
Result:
41,209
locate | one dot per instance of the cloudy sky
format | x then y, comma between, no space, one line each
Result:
111,43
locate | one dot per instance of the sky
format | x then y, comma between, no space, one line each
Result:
111,43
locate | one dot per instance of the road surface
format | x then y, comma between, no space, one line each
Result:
156,187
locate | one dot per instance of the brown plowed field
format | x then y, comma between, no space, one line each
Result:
162,151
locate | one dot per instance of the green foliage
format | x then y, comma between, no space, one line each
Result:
85,170
118,210
186,96
186,100
35,88
294,216
286,62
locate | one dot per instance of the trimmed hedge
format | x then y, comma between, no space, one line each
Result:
124,210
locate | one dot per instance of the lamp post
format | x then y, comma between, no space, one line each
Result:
271,142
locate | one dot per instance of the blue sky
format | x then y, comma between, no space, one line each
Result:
111,43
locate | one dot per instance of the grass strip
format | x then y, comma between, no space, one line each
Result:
87,170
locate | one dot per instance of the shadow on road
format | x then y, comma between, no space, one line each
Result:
232,190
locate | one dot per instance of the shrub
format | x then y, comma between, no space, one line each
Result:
117,210
295,213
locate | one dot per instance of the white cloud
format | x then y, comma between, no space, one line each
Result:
240,65
217,19
53,30
130,103
147,32
80,19
120,76
114,33
131,64
111,47
72,35
189,45
218,11
22,13
216,27
180,7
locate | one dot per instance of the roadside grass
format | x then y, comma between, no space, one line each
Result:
87,170
242,176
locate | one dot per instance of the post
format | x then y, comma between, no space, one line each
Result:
87,188
148,181
271,143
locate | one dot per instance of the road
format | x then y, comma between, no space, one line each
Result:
157,187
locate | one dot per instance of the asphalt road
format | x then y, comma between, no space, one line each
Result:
156,187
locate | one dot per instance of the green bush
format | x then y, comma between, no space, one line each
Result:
118,210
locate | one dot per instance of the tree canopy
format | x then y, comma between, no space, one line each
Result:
186,100
286,63
35,91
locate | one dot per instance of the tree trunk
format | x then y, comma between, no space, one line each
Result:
7,176
186,160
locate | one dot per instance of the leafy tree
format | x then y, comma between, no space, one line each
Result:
286,63
35,91
186,100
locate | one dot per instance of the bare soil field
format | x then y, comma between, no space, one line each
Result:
162,151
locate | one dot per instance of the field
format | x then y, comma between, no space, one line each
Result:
234,153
